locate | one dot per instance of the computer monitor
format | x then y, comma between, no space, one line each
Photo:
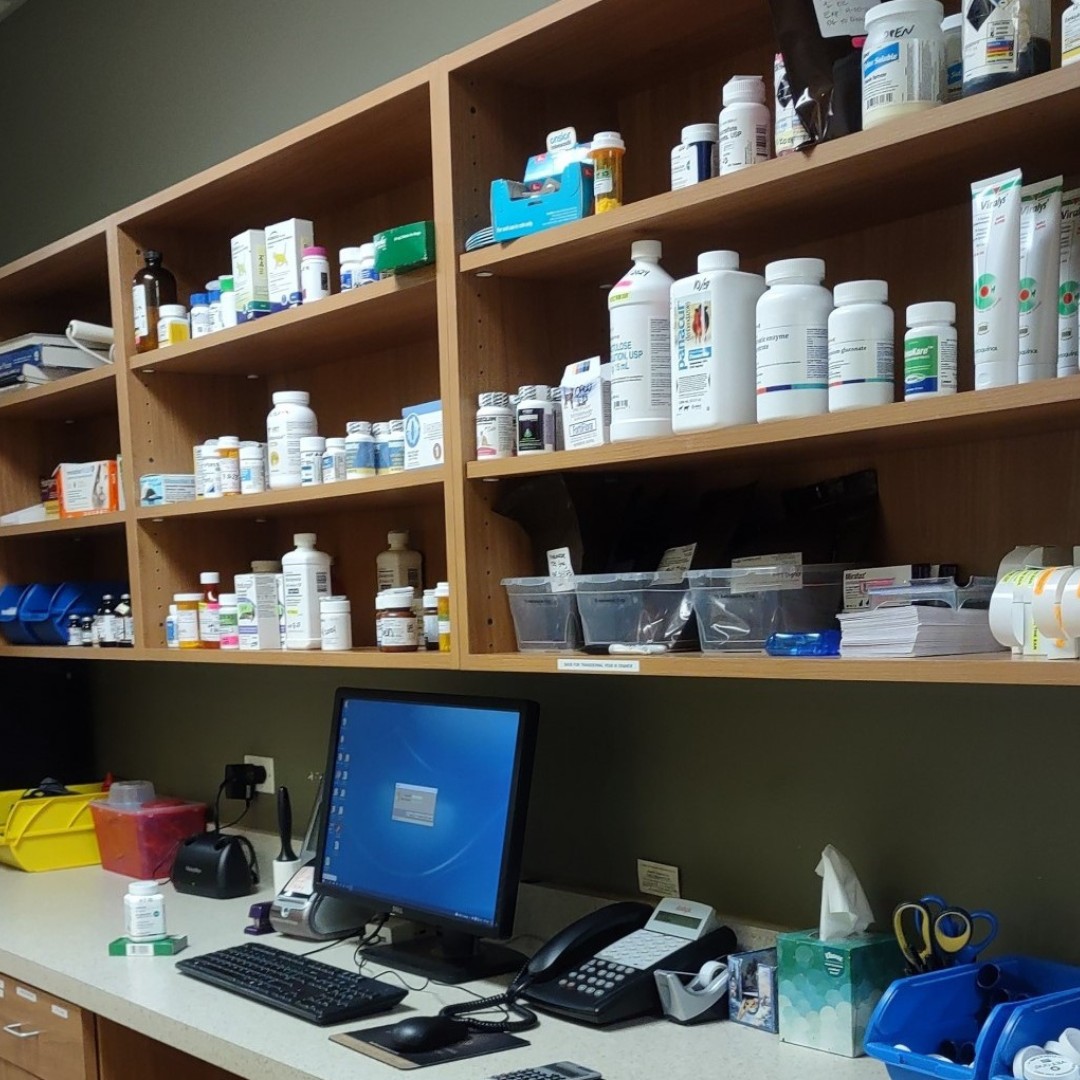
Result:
424,808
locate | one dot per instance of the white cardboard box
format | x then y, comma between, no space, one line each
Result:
423,435
586,404
285,242
249,269
257,611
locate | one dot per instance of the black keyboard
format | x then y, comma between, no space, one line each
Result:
314,991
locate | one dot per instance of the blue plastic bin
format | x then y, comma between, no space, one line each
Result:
34,613
1036,1024
922,1011
70,598
11,628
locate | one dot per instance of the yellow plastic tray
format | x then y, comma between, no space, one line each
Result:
52,833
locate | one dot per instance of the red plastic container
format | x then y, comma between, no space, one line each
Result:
141,842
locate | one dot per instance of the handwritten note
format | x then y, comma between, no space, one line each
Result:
842,18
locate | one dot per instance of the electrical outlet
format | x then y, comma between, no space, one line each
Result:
267,786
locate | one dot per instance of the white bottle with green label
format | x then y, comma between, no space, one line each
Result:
930,351
714,344
639,307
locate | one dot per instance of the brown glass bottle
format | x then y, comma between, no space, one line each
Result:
151,287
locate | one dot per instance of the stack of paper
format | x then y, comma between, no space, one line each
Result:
915,630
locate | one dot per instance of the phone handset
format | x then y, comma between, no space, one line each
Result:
580,940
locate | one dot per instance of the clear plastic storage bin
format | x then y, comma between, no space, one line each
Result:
737,609
544,621
633,609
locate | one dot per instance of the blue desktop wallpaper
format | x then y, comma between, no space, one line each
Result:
419,805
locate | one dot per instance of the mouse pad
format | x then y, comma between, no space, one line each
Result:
366,1041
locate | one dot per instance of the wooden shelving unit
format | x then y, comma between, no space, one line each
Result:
960,479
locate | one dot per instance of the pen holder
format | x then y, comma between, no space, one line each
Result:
283,872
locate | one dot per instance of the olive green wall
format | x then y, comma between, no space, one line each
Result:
741,784
103,102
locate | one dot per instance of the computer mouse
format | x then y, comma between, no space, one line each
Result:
422,1034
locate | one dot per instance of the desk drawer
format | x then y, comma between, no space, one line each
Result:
45,1036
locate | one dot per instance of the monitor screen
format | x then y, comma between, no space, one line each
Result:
425,799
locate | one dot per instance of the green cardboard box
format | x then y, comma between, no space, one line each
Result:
828,989
170,946
405,247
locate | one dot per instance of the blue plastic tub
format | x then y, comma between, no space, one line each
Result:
70,598
923,1011
34,614
1042,1020
11,628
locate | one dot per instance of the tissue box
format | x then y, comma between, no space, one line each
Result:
828,989
752,990
518,209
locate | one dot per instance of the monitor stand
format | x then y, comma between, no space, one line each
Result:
448,957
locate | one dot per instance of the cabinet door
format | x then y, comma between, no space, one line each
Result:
44,1036
124,1054
13,1072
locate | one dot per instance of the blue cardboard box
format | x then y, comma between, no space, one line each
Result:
519,208
752,989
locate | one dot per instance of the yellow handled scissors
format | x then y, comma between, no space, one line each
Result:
931,936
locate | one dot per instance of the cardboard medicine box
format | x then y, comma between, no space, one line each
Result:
586,404
250,282
752,989
829,989
405,247
285,243
87,488
257,611
160,489
423,435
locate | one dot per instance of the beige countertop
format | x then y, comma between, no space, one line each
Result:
55,927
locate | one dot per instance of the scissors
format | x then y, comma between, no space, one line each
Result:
932,934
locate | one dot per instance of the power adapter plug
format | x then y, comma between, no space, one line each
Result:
241,781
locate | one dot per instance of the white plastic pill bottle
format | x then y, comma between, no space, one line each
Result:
290,420
745,124
903,60
793,341
930,350
144,911
495,427
862,346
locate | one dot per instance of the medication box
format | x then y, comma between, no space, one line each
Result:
752,990
285,243
828,989
857,583
158,489
250,282
586,401
169,946
519,208
258,620
423,435
405,247
91,487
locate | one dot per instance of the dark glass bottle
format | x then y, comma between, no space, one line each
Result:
151,287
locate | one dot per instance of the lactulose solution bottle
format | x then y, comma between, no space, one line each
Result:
793,341
306,574
639,306
713,344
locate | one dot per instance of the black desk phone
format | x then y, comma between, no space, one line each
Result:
599,970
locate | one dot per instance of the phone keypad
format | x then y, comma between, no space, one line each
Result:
641,950
558,1070
596,977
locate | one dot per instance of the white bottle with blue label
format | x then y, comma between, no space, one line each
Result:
714,344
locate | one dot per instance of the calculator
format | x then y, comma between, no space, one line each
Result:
557,1070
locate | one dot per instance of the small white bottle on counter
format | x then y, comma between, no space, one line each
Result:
144,911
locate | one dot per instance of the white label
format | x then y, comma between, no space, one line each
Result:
3,989
901,72
397,630
604,180
786,575
657,879
139,313
1070,35
742,142
860,360
107,630
625,667
998,35
229,474
640,365
187,625
283,438
209,621
842,18
677,560
26,995
793,356
560,570
494,437
59,1010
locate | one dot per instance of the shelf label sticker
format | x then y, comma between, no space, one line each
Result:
842,18
657,879
28,995
782,571
626,667
561,570
59,1010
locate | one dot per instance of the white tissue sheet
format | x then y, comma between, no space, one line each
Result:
844,907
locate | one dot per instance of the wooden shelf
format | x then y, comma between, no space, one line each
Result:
926,160
999,669
74,265
85,394
354,658
1053,404
66,652
398,489
94,523
362,320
